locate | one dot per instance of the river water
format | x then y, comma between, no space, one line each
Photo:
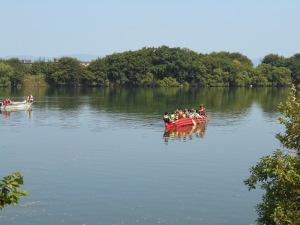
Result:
101,156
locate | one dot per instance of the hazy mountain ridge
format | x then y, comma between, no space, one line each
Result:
81,57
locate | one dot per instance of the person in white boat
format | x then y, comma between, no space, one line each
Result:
30,98
6,102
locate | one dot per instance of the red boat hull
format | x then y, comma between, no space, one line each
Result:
185,122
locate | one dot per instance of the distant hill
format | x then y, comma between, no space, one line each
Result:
27,57
81,57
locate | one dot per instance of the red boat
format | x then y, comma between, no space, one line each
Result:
185,122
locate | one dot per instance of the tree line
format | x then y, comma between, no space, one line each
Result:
162,66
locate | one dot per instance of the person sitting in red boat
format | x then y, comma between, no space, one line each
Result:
180,114
169,117
172,116
184,113
194,114
176,114
202,110
166,118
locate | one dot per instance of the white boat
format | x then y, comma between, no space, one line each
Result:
18,103
17,106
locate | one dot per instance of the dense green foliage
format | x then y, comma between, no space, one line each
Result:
6,72
10,192
12,72
162,66
279,174
67,71
291,120
292,63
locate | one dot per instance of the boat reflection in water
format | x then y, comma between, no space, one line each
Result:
184,133
7,114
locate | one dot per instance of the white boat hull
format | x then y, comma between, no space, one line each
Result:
17,106
18,103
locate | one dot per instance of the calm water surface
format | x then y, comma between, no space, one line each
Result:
101,156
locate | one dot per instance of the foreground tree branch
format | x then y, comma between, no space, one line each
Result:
279,174
10,192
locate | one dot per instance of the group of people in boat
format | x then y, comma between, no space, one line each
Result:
185,113
7,101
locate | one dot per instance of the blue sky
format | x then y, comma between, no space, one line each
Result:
61,27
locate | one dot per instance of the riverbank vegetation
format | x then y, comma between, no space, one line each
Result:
154,67
279,174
